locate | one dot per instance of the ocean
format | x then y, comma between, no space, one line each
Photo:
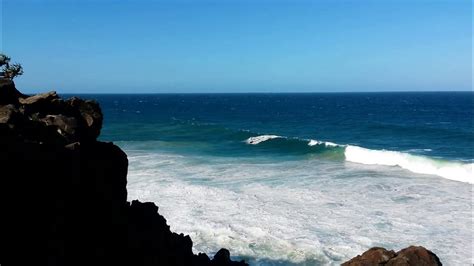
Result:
303,179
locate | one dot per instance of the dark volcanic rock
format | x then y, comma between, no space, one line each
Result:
63,197
222,257
91,114
66,125
9,114
8,93
73,120
411,256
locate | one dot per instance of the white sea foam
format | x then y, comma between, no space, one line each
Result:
306,212
414,163
325,143
258,139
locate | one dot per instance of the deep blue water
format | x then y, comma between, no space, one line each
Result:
303,179
435,124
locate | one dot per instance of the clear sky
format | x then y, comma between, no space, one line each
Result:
239,46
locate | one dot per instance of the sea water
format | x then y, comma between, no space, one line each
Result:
303,179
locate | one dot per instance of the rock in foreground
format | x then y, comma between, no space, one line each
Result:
411,256
63,196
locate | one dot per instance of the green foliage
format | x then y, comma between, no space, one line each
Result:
4,60
10,71
14,70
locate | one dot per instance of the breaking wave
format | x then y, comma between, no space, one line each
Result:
457,171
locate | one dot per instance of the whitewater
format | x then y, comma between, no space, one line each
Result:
309,212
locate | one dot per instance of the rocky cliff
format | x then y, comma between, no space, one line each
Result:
63,197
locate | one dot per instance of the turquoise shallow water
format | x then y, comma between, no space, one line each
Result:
303,179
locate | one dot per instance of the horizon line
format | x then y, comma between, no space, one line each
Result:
282,92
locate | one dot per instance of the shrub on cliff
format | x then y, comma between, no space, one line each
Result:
4,60
9,71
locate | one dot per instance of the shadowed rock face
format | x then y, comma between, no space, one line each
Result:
63,197
8,94
411,256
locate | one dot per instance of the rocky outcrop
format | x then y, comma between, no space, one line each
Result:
411,256
8,94
63,197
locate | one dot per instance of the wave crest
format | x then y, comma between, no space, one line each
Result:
258,139
325,143
457,171
414,163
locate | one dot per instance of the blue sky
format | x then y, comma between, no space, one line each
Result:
239,46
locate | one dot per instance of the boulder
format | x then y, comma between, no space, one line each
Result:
411,256
414,255
91,115
47,119
66,126
222,258
9,114
39,98
373,256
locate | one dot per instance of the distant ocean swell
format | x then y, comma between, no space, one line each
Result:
463,172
